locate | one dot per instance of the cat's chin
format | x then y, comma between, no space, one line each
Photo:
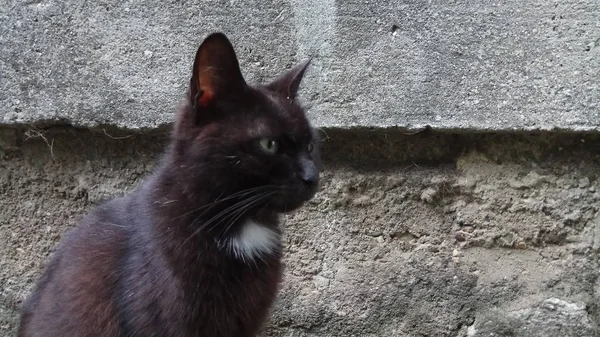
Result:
285,203
287,207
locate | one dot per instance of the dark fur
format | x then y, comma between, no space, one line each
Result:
152,263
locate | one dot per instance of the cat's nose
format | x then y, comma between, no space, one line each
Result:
310,179
309,174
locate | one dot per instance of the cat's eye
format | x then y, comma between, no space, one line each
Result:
270,146
311,147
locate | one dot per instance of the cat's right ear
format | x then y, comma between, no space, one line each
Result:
216,72
288,83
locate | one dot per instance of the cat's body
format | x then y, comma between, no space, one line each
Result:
124,286
195,250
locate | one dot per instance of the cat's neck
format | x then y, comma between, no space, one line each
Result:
188,218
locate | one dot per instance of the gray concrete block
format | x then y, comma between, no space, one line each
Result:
470,65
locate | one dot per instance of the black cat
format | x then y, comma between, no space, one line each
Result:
195,250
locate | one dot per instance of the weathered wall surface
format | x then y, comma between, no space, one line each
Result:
421,235
428,234
470,64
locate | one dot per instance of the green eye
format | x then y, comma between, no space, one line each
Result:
270,146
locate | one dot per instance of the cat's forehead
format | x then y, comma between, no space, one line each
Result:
277,114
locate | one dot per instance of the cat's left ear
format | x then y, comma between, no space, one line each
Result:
288,83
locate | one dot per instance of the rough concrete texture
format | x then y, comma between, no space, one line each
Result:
471,65
421,235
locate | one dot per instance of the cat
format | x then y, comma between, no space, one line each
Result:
194,250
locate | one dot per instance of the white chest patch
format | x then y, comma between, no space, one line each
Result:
254,241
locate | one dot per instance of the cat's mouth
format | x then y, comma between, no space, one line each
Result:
290,200
289,206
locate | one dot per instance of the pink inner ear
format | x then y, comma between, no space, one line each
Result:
206,97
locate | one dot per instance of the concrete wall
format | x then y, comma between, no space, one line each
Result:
446,232
469,64
423,235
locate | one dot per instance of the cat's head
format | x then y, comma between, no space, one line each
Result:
232,137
